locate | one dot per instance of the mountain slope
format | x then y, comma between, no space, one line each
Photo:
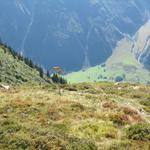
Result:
72,34
141,47
14,71
100,116
125,62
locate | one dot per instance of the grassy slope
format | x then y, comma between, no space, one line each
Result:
14,71
84,117
122,62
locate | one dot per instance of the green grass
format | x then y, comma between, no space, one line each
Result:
97,73
14,71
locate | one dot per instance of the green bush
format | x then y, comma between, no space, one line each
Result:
9,126
145,103
95,130
40,144
120,145
139,132
119,118
128,145
63,143
18,143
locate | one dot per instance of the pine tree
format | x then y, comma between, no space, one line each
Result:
0,41
47,73
55,78
58,79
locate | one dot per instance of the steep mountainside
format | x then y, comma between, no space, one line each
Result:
141,46
71,33
128,62
14,71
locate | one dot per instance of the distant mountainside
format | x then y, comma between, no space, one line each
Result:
141,45
129,62
14,71
73,34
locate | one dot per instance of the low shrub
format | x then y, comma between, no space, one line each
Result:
9,126
119,79
145,103
128,145
77,107
120,145
53,114
137,118
95,130
71,88
40,144
60,142
109,104
147,109
129,110
139,132
119,118
19,143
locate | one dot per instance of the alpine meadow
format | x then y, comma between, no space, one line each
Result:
74,75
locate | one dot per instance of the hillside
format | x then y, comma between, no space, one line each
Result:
126,63
98,116
14,71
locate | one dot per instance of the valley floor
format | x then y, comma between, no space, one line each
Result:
101,116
